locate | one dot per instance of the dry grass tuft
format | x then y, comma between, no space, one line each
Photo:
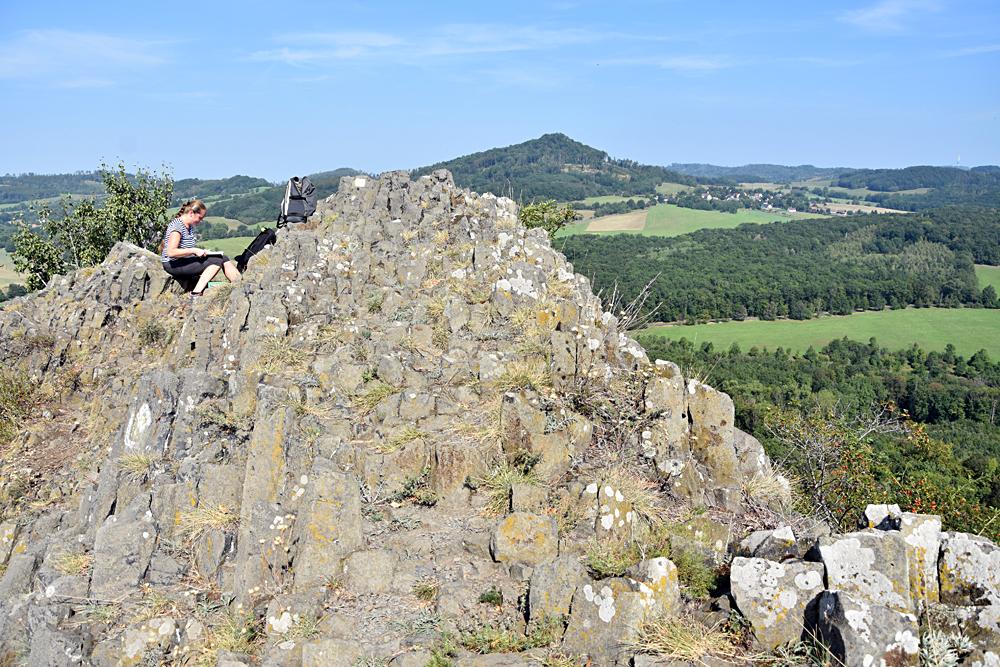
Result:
499,482
237,634
374,393
774,489
642,494
680,638
277,354
401,439
525,374
73,564
194,523
427,589
136,467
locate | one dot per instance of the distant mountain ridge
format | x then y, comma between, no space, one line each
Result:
554,166
759,173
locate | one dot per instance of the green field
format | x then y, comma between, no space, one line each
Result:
968,329
7,273
672,188
232,246
672,220
610,199
988,275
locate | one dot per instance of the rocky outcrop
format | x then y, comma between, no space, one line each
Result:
393,440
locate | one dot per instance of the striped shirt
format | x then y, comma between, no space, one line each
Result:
188,239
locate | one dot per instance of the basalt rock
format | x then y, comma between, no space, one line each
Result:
397,425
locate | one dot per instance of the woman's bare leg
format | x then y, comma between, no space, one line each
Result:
231,272
206,276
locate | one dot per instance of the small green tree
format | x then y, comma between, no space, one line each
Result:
134,210
548,215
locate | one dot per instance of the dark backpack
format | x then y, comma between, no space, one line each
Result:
299,201
265,238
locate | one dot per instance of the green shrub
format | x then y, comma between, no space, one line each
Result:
16,393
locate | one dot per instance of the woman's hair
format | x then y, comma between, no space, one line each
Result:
192,206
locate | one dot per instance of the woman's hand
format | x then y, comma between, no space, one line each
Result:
200,252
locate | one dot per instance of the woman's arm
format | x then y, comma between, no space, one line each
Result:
174,240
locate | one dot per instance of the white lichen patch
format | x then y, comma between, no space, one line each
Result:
138,422
809,581
853,567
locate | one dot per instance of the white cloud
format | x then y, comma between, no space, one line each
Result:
691,63
76,59
973,51
888,15
443,41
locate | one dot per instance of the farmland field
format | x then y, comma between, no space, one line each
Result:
231,246
7,273
672,188
672,220
988,275
610,199
968,329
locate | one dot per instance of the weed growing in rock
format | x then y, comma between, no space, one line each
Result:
16,392
305,627
135,467
494,596
642,494
491,639
152,332
375,303
697,578
611,559
415,490
277,354
194,523
212,413
680,638
373,394
525,374
371,660
427,589
236,633
941,649
74,564
401,439
499,482
219,297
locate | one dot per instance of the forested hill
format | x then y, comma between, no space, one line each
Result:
759,173
800,268
28,187
910,178
554,167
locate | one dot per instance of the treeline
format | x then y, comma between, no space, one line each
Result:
615,207
957,398
554,167
28,187
911,178
758,173
191,188
799,269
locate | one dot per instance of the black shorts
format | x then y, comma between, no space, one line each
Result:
190,267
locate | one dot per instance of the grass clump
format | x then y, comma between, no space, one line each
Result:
16,393
401,439
277,354
73,564
525,374
427,589
375,392
499,482
697,577
152,332
680,638
136,467
494,596
196,522
235,633
375,303
611,559
415,490
490,639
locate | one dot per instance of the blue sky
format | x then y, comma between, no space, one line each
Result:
213,89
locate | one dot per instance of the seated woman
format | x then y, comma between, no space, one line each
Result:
183,260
